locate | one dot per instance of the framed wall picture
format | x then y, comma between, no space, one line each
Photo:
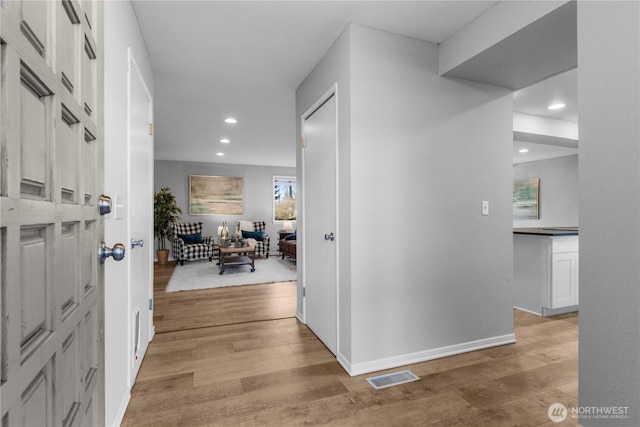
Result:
526,199
216,195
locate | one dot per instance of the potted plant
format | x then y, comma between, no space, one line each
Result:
237,241
165,213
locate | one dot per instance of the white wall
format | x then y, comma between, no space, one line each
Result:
433,149
258,192
609,107
419,155
333,68
121,32
558,191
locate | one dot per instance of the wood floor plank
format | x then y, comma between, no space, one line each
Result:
514,386
239,357
423,411
528,411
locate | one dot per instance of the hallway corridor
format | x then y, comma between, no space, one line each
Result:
238,357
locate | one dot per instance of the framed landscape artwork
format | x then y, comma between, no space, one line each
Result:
216,195
526,199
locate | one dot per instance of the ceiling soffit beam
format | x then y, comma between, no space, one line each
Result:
543,130
545,139
497,23
545,126
545,47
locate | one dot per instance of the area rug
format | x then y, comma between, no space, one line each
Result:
204,274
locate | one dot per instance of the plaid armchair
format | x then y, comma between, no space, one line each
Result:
187,245
262,247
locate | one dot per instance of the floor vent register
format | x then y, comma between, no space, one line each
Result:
395,378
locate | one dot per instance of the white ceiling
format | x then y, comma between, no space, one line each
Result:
536,98
214,59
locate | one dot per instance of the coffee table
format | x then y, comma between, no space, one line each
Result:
230,256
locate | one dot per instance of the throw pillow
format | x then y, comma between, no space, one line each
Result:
190,239
291,236
246,225
257,235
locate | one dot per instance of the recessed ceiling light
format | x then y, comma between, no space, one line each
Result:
225,140
220,154
230,120
523,150
556,106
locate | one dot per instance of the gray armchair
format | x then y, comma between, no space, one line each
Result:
256,231
189,244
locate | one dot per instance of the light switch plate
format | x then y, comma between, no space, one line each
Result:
119,207
485,207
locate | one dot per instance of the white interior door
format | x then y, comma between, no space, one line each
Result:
140,216
319,169
51,178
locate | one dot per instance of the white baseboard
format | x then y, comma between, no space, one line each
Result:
423,356
119,416
528,311
342,360
299,316
547,312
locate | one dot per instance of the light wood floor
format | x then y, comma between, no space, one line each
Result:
238,357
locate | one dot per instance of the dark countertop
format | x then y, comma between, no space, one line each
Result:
551,231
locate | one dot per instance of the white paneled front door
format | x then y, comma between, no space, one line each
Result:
51,178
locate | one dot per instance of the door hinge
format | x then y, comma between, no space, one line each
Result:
302,141
150,303
150,128
304,292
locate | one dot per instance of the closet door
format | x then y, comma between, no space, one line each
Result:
320,194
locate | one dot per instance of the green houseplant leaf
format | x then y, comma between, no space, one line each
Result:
165,213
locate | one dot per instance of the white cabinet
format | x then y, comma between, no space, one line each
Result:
564,272
545,273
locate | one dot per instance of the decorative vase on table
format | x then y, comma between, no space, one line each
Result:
224,234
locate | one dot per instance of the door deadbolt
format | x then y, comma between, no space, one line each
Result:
104,204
